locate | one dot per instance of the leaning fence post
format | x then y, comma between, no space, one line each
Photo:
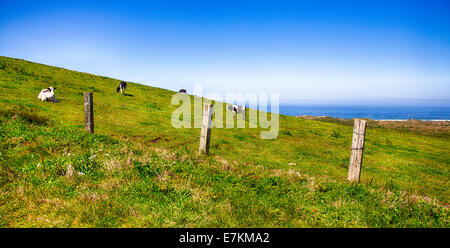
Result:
88,112
205,133
354,169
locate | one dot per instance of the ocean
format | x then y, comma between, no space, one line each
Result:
376,112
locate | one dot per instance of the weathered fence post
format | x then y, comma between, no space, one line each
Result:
88,112
205,133
354,169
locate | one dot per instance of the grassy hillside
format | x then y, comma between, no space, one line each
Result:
139,171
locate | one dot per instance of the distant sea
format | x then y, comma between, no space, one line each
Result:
376,112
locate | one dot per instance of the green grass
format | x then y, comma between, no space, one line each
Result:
139,171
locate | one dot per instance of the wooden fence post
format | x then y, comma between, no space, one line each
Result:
88,112
205,134
354,169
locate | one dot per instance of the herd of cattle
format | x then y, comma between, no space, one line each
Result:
49,96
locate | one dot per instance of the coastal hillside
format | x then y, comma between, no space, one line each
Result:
139,171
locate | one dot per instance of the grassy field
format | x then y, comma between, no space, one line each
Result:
139,171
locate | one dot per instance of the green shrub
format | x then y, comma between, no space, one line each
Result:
25,114
336,134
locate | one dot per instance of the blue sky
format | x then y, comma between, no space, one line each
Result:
306,50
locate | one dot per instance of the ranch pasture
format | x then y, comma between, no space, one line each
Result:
136,170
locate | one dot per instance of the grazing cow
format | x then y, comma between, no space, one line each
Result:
235,109
122,86
47,94
182,91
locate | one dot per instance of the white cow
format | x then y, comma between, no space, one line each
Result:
47,95
236,109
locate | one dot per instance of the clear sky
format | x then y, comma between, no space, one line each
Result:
305,50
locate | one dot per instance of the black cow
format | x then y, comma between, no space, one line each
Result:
122,86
